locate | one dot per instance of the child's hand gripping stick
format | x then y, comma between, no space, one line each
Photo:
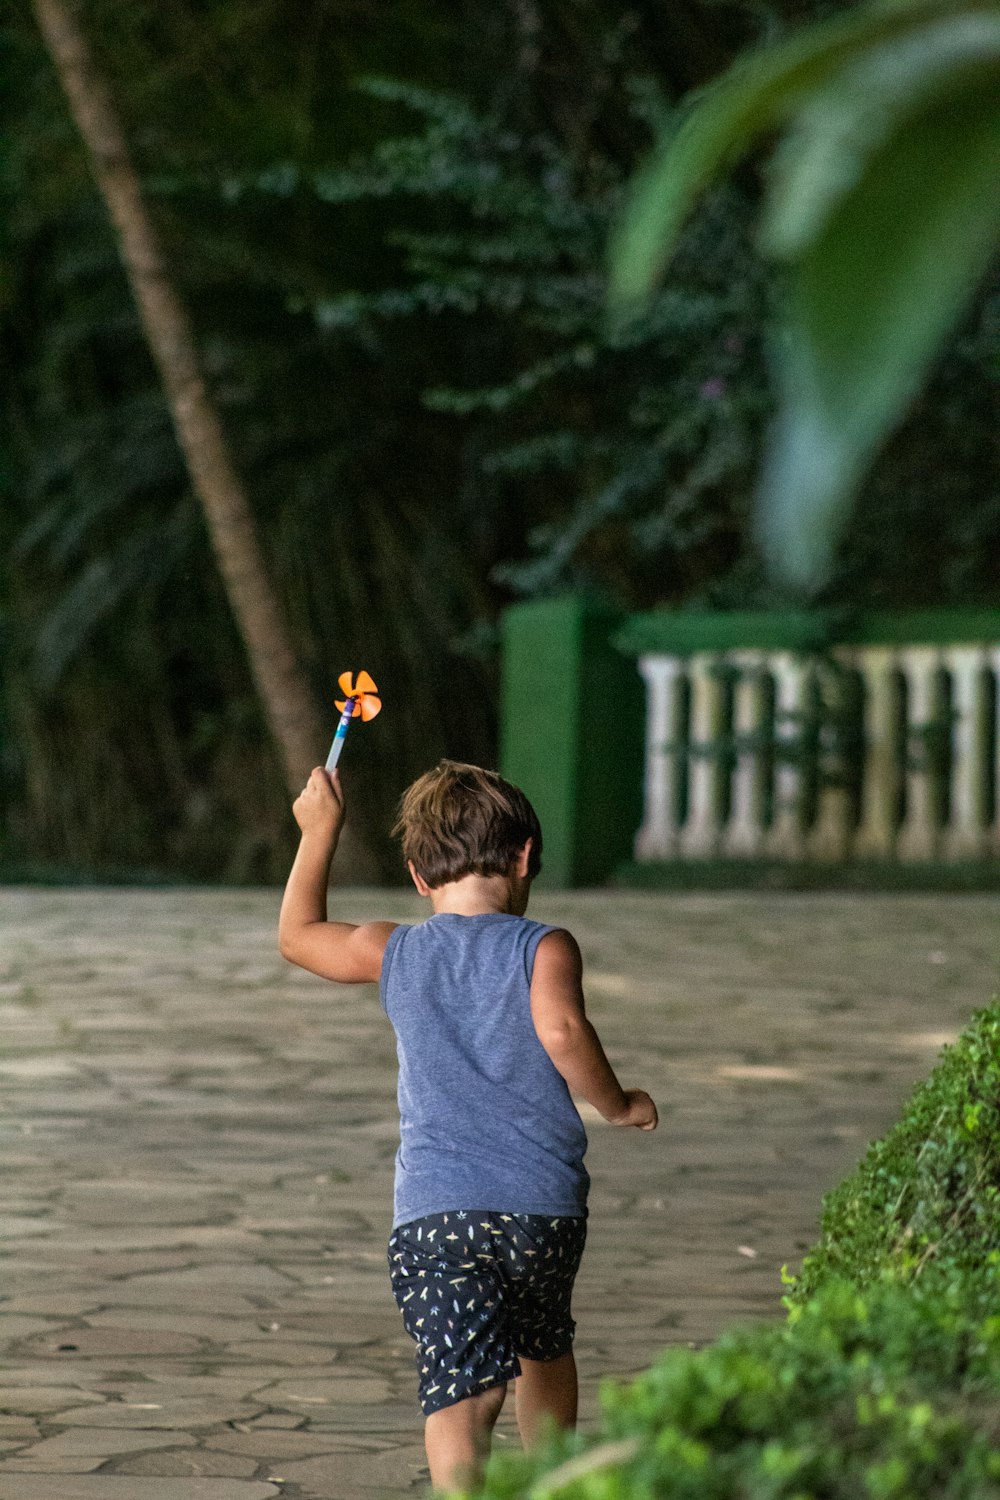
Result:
361,698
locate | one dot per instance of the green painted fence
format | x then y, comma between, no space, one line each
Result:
572,714
574,726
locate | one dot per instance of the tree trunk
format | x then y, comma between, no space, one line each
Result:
288,706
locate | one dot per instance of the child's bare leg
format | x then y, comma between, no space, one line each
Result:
457,1439
545,1389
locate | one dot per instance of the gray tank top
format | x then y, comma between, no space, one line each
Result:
486,1121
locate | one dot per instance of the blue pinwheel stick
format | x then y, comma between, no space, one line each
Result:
360,698
341,735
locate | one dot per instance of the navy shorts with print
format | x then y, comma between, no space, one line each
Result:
478,1288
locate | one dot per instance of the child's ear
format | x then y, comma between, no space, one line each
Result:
418,879
522,863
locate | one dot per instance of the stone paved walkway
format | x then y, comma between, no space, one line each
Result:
196,1146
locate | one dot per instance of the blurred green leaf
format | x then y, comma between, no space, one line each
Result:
759,93
842,126
884,200
870,299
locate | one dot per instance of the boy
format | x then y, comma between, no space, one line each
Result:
491,1192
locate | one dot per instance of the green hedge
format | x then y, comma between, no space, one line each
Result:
926,1197
883,1382
844,1400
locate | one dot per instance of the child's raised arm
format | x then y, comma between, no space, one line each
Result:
343,951
561,1024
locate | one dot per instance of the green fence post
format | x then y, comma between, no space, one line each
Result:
572,714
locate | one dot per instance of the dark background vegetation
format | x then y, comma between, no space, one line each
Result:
389,223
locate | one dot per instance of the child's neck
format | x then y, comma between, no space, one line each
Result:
481,895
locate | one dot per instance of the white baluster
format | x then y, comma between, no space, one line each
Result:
703,827
882,774
785,837
920,834
657,838
744,835
966,833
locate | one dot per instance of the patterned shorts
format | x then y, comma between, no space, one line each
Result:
477,1289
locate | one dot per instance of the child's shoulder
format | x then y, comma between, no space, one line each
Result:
558,950
555,937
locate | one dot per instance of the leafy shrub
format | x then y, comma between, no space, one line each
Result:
926,1197
855,1395
883,1381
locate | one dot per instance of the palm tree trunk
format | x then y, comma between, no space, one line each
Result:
278,677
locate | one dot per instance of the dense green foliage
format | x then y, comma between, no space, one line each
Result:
925,1201
622,460
133,738
398,293
888,1393
844,1401
883,1382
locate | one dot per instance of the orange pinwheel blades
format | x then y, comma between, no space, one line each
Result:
363,690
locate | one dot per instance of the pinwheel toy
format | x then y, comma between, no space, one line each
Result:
360,697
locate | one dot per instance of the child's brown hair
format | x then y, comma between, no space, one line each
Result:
463,820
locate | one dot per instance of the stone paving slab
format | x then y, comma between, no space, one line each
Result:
196,1145
118,1487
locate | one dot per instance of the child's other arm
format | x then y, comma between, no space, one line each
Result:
561,1024
342,951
